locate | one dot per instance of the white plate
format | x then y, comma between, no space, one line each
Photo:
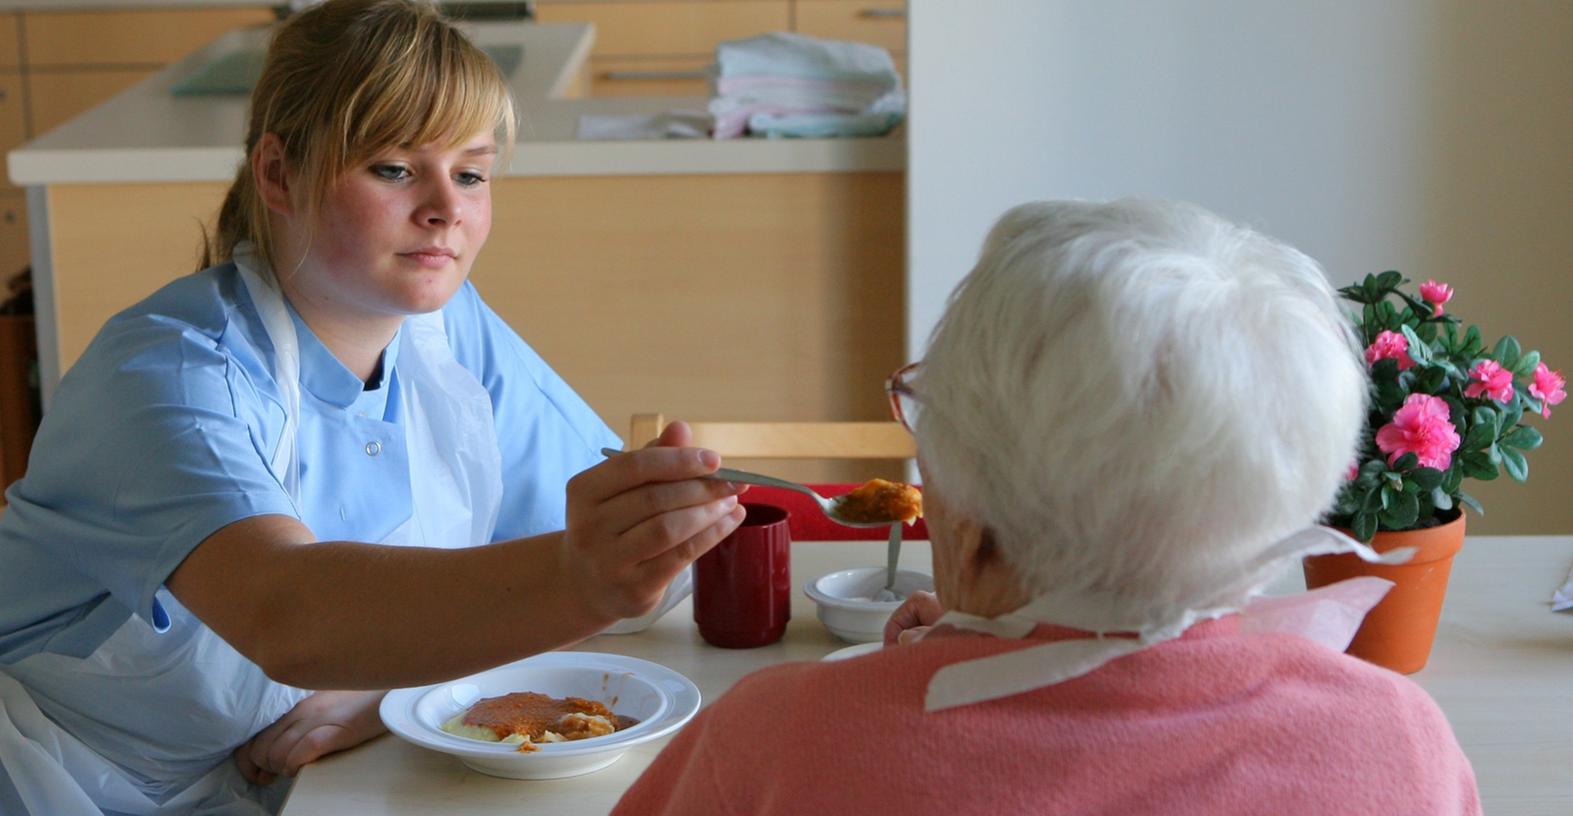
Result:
660,699
856,650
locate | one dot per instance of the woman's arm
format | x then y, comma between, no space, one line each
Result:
348,615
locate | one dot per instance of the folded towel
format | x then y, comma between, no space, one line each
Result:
792,85
782,53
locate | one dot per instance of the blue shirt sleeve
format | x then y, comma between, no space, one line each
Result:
156,438
546,431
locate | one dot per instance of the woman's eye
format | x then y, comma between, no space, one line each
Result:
391,172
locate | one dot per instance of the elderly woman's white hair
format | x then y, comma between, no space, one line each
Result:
1137,398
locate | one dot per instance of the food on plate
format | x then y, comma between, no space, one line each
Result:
527,719
878,500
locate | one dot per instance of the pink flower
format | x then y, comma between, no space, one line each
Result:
1353,472
1436,294
1490,378
1548,386
1390,345
1420,427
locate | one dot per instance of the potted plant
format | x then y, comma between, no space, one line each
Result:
1443,409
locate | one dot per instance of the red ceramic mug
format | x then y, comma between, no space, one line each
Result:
743,586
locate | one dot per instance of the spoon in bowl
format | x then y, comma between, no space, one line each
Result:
830,507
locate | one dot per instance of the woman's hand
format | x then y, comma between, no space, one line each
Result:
319,725
911,621
639,518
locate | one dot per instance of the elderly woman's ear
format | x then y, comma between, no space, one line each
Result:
971,573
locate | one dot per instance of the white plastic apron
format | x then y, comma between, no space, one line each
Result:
184,673
1329,615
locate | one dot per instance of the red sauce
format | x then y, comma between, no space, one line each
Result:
533,714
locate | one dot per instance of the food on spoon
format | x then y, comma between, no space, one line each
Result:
527,719
877,501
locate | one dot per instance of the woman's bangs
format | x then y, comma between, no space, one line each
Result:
442,95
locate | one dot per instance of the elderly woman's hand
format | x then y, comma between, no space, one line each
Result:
639,518
913,618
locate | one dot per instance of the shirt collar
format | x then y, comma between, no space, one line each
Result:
326,378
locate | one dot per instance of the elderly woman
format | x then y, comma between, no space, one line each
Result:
1127,420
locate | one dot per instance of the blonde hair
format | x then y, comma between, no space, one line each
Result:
348,79
1139,397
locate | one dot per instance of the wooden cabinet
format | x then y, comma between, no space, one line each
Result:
141,37
13,237
56,96
10,42
879,22
13,127
53,66
663,48
670,28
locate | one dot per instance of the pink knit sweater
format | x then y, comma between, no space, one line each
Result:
1217,722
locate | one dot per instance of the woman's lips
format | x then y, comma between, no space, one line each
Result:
430,259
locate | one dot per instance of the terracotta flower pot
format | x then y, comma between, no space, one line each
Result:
1398,632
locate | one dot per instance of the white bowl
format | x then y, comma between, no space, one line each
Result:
844,599
660,699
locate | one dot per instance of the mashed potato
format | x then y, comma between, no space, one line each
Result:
527,719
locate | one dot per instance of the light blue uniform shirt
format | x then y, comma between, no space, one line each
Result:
161,433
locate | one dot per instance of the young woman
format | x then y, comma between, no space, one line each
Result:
271,476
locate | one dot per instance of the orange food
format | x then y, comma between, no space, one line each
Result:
878,501
533,715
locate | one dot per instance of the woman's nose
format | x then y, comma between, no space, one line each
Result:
441,206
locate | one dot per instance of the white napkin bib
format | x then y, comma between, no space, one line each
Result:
1328,615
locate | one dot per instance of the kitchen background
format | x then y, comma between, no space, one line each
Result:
1429,136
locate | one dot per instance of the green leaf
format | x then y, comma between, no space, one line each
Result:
1488,416
1511,414
1515,464
1455,411
1389,280
1440,500
1364,527
1402,513
1470,502
1506,351
1477,437
1389,497
1472,343
1388,315
1477,465
1426,478
1494,453
1372,501
1523,437
1453,479
1432,379
1526,364
1407,461
1418,349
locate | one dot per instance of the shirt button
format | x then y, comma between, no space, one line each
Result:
373,448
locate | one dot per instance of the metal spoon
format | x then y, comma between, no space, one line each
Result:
829,506
892,552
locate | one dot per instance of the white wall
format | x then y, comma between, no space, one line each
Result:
1430,136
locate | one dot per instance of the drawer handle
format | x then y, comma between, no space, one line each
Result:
883,13
647,76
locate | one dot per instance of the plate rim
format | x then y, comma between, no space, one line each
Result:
397,711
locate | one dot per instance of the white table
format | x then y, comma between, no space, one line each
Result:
1502,670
